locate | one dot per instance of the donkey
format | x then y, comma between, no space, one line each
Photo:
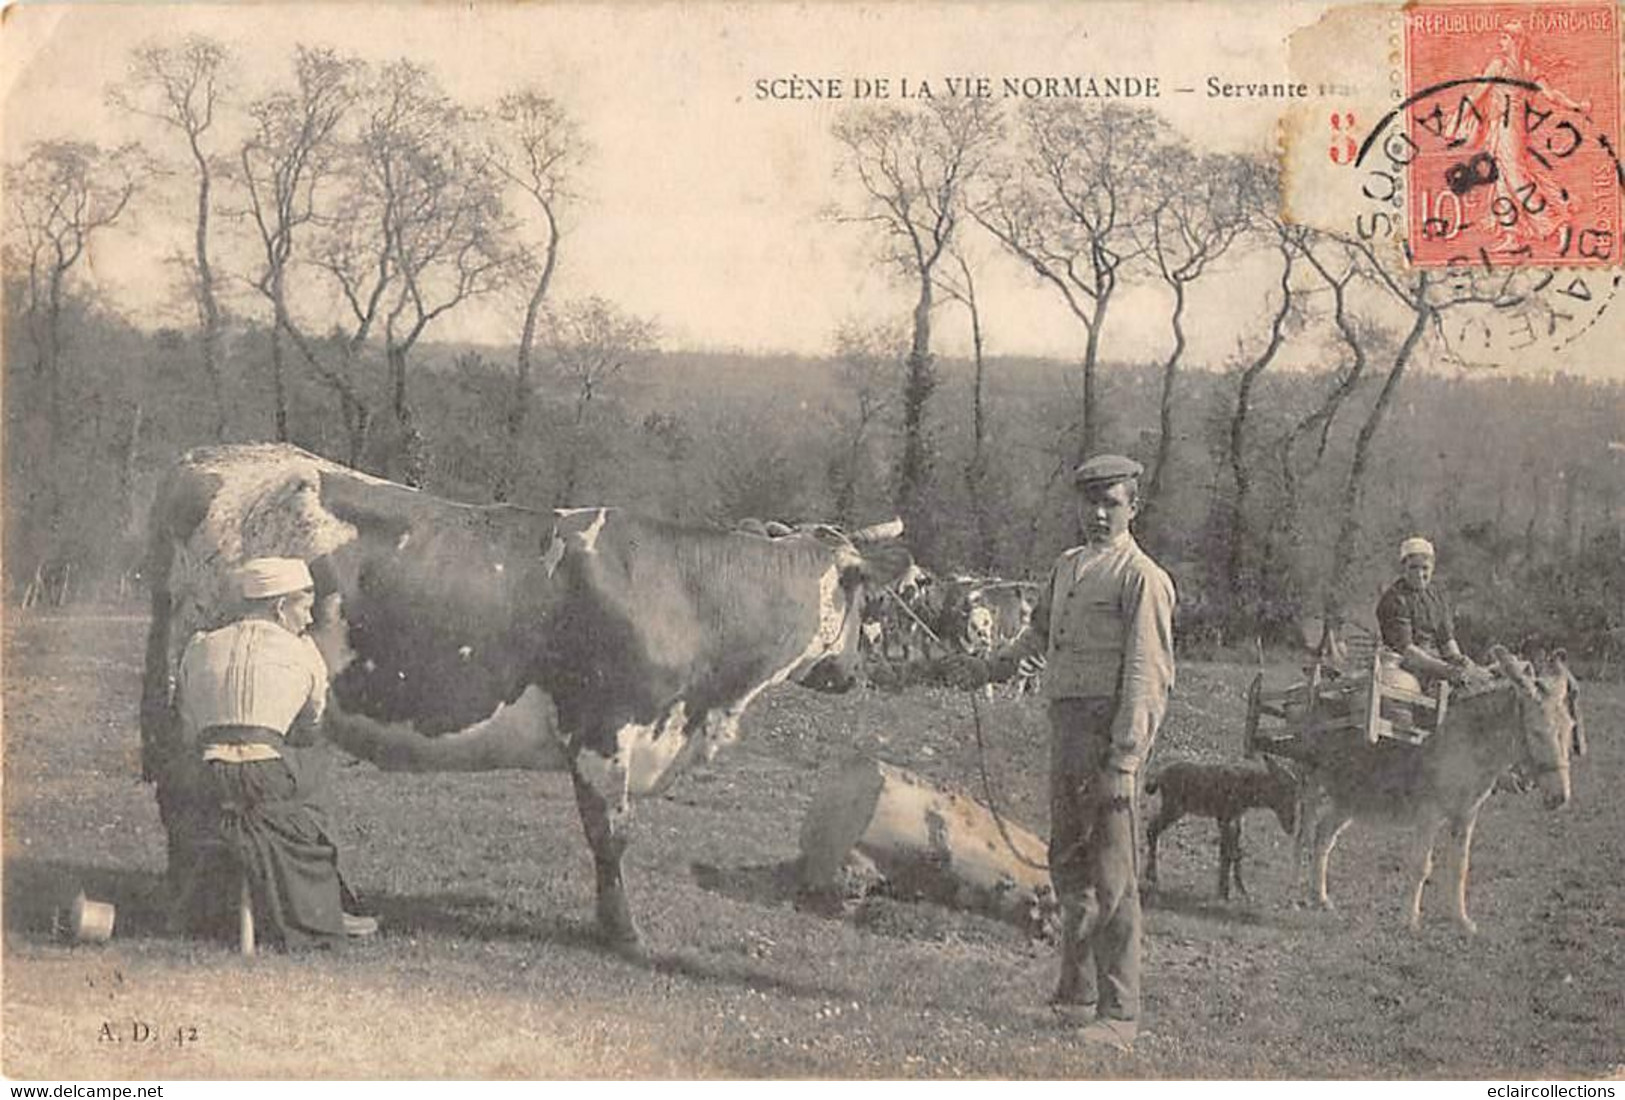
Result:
1223,792
1529,719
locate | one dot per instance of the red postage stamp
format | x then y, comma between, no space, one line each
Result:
1513,120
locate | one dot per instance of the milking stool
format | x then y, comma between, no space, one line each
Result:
245,914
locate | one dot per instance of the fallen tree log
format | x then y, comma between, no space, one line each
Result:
875,820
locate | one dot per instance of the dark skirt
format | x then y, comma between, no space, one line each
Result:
270,830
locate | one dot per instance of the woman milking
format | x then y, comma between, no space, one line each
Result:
252,693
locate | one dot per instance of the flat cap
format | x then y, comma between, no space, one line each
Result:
1105,469
262,578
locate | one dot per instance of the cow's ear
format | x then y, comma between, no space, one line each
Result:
883,563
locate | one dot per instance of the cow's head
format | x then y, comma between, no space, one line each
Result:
1547,722
912,582
861,559
981,628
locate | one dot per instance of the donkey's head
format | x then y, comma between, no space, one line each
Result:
1547,721
1286,796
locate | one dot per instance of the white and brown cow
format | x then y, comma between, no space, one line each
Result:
465,637
897,618
987,615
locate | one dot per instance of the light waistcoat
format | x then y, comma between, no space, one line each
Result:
1108,605
1105,627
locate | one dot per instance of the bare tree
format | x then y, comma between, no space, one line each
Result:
1065,209
454,253
1338,265
1423,310
671,439
1424,296
1335,269
1197,208
1057,456
284,161
1266,222
912,169
181,87
869,361
58,198
417,233
591,341
356,254
958,283
538,148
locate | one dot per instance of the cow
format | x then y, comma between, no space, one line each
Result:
984,616
898,619
1530,719
612,646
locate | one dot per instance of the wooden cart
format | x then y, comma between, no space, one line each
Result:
1335,708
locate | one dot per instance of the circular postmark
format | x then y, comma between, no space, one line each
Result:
1511,193
1502,318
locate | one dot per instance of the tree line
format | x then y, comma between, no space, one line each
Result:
359,204
355,206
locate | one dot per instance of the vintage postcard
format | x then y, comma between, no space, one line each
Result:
622,541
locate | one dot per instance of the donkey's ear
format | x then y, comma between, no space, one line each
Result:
1281,769
1551,663
1516,670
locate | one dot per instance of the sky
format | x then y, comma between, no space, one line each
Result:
704,201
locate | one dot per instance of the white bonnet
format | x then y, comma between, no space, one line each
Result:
1416,544
262,578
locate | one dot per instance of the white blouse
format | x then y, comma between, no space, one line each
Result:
251,673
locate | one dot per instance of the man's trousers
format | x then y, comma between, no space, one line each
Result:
1093,862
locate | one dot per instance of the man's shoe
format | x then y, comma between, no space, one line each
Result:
1073,1013
1074,993
1105,1031
357,927
1070,1005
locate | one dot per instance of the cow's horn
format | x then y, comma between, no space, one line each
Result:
891,529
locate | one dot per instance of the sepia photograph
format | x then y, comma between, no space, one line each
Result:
995,541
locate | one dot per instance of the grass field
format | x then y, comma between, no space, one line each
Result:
487,967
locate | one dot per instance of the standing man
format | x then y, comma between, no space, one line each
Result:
252,695
1104,626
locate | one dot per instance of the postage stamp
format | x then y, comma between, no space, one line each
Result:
1512,118
1476,149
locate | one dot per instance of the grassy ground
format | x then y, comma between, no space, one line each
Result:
487,966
